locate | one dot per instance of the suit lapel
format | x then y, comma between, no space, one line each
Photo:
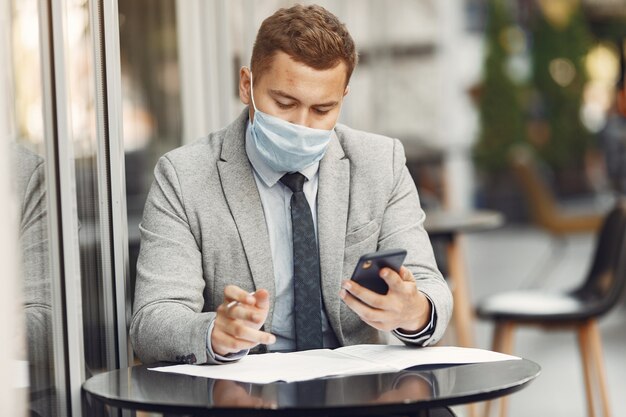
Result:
243,199
332,215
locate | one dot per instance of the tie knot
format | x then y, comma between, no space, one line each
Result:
294,181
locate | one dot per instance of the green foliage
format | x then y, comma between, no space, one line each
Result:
501,116
553,118
559,77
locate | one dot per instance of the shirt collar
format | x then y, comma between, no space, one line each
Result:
268,175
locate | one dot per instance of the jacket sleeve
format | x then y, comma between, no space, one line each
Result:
403,227
168,323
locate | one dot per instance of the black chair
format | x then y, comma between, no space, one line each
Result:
578,309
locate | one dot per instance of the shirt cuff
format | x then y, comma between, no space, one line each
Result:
423,334
231,357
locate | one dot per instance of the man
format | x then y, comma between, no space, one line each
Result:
221,272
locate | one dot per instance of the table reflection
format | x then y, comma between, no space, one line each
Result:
360,389
409,386
357,390
236,394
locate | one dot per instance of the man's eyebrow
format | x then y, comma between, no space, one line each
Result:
282,94
287,96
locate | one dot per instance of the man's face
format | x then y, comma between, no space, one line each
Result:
296,92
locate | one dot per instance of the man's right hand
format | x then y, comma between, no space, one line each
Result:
238,321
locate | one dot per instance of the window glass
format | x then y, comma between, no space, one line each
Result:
92,192
89,183
151,100
22,89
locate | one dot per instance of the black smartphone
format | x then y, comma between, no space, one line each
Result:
367,271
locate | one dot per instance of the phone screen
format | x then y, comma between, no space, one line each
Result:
367,271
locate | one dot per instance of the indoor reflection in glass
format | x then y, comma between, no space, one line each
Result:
29,186
151,101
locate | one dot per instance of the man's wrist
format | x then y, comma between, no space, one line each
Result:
231,357
422,329
424,319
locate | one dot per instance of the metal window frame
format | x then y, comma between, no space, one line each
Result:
62,204
117,169
112,179
63,222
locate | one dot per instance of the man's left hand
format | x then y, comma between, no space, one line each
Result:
403,308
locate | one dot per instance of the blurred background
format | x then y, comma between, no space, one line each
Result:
505,107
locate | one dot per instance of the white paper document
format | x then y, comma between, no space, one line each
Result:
348,360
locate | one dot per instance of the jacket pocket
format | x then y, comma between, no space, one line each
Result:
361,233
359,242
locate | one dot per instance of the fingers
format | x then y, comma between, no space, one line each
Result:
406,274
234,336
391,277
376,318
262,299
396,282
239,319
236,310
237,330
249,307
234,293
368,297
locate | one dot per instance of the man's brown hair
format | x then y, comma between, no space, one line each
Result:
310,35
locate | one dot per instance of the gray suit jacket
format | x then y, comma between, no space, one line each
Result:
204,228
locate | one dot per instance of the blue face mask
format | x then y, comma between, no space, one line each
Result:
286,147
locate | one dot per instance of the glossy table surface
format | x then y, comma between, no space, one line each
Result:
407,392
441,222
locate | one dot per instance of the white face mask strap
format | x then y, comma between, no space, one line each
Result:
252,89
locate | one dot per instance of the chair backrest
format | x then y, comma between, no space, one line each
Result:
544,209
607,275
541,201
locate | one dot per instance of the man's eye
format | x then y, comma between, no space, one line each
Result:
321,112
283,105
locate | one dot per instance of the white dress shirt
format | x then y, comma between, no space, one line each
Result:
276,201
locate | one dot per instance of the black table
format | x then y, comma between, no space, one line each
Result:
415,391
446,223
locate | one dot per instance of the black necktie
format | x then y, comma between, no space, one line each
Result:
306,268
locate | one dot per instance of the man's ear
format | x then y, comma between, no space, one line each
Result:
621,101
244,85
346,91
